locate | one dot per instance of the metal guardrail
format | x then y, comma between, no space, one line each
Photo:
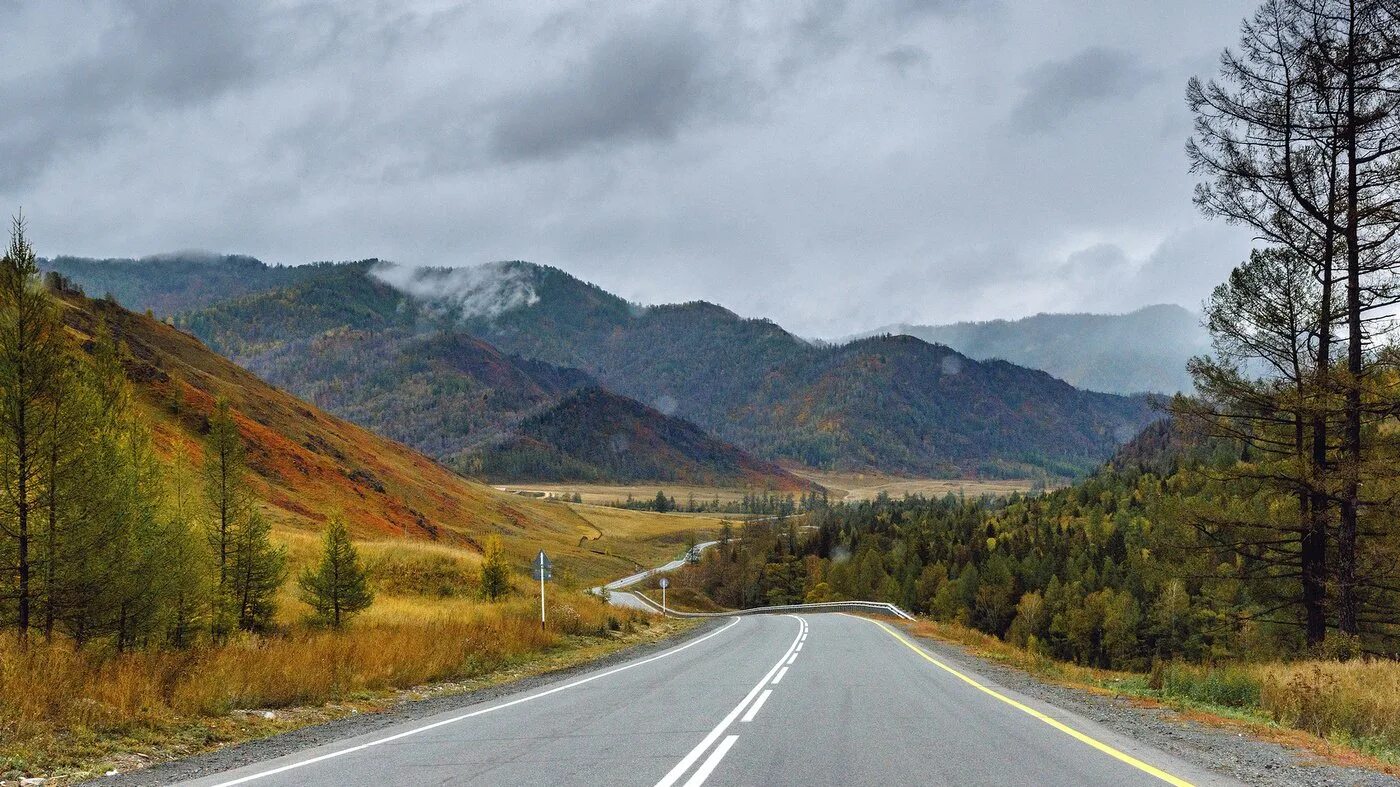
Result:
825,606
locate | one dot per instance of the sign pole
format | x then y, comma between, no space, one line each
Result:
665,583
542,570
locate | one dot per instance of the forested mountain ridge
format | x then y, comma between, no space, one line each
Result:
350,337
595,435
900,402
890,404
1142,350
171,283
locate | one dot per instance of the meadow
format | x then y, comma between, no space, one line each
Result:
851,487
66,712
846,487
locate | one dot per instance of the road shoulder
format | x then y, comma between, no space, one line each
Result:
1223,750
254,751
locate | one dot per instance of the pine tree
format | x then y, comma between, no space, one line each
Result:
230,508
256,569
188,578
495,573
336,589
31,361
69,427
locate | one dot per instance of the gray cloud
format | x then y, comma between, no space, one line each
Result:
642,82
152,57
907,60
1059,88
831,164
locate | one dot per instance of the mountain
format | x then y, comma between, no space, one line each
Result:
1144,350
171,283
374,342
898,405
595,435
308,465
898,402
360,348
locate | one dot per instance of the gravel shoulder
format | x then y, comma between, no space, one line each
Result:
1223,750
240,754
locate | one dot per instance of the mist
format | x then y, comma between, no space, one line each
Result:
481,291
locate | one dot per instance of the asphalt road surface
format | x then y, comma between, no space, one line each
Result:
817,699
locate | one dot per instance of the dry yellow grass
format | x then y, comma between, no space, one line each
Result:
1358,700
62,709
587,544
1352,709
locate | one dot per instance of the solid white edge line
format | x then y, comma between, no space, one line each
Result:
781,673
753,709
340,752
708,767
688,760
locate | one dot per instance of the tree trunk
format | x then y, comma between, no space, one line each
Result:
22,457
1351,429
51,537
1314,544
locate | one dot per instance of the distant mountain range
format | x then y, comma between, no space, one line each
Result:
597,435
898,405
496,369
1141,351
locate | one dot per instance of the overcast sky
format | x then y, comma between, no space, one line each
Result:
832,165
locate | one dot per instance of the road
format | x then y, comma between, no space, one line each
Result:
771,699
623,599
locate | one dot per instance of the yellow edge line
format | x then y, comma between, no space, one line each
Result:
1061,726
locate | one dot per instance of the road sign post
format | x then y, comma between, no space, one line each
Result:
665,583
542,569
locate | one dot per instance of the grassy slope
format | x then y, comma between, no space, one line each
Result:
310,465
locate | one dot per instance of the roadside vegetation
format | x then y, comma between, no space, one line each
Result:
69,710
147,603
1347,706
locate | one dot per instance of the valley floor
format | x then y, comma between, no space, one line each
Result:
856,487
841,487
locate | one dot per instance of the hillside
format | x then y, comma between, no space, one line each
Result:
1143,350
361,349
310,465
594,435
